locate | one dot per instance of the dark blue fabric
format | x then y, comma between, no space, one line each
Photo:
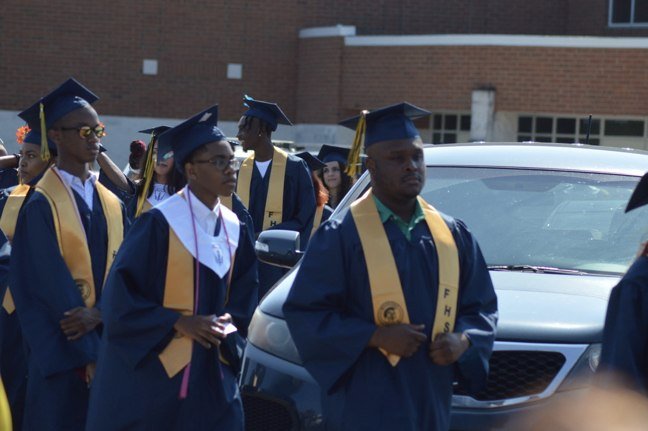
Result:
326,214
131,389
298,210
13,360
124,195
625,335
43,291
8,178
330,316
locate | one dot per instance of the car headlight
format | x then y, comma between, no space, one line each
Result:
581,375
272,335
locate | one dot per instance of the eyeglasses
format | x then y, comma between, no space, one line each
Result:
221,163
86,131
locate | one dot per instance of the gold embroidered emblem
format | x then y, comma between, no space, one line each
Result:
390,313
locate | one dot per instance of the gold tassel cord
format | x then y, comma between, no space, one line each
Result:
353,162
45,153
147,176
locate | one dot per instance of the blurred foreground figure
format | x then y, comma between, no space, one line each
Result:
597,409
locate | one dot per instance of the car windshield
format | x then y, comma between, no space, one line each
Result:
545,221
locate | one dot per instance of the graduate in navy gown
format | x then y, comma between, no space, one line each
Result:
379,370
60,256
624,356
13,363
258,181
165,360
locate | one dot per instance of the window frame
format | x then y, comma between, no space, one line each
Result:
631,24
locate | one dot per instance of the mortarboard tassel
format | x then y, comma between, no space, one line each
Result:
147,176
45,153
353,161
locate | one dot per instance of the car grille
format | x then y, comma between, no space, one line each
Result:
267,414
516,374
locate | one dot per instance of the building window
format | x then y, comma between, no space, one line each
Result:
566,130
623,13
448,128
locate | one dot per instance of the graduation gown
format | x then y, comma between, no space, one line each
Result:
8,178
131,389
625,335
43,289
297,213
330,315
326,214
13,362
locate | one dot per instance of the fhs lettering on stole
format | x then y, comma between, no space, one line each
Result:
447,312
273,223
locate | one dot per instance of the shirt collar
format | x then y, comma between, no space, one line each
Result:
200,210
385,214
71,179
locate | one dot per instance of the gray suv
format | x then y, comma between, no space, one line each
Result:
551,223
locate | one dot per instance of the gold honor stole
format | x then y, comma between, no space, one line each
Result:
319,211
274,201
386,290
179,295
8,221
70,233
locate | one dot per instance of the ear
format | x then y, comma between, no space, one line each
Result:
189,170
55,136
371,165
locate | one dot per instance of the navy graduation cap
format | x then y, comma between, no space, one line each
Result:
639,196
156,131
313,162
388,123
383,124
191,134
269,112
67,97
331,153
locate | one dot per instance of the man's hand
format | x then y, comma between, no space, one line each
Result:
206,330
402,340
447,348
79,321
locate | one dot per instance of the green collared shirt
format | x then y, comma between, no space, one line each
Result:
386,214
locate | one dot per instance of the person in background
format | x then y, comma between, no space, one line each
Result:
64,243
185,273
274,186
334,175
322,210
13,363
405,306
158,179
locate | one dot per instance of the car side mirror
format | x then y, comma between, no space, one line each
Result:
278,247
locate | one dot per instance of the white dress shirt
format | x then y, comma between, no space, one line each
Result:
84,189
205,218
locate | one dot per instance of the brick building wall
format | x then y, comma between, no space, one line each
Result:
533,79
104,43
314,80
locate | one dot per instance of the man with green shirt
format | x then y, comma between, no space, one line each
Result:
393,303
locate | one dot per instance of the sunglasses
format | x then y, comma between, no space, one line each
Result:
86,131
222,163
